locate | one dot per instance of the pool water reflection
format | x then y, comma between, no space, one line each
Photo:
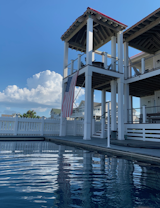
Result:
44,174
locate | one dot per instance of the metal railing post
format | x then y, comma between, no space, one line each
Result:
108,129
72,66
79,61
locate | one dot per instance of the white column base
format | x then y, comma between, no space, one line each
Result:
103,128
87,135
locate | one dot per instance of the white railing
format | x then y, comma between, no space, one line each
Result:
29,126
144,132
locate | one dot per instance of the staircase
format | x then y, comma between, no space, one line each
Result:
98,133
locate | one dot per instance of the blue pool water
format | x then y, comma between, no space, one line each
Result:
43,174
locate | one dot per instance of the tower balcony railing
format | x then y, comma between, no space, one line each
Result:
143,66
100,59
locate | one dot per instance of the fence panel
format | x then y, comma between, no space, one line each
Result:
145,132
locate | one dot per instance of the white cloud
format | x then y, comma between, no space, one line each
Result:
43,91
39,109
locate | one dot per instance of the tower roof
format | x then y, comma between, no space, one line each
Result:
104,27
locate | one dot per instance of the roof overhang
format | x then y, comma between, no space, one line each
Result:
104,27
145,34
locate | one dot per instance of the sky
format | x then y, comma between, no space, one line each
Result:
31,51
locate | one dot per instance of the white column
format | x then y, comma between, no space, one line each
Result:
126,102
65,60
103,104
143,65
113,105
126,66
120,51
130,109
72,66
79,61
144,113
92,106
108,129
113,52
89,45
87,116
93,56
120,110
105,60
62,120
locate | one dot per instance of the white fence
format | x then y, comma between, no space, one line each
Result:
145,132
40,127
29,126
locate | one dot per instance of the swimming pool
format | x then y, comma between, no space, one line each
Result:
44,174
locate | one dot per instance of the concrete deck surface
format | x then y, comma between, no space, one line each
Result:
146,149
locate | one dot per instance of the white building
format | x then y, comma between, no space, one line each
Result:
137,76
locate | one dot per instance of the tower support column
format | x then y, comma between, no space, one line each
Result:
87,116
103,107
120,110
113,105
113,52
63,122
89,44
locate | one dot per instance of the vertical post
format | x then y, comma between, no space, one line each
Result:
16,125
103,102
126,68
62,120
113,105
120,52
143,65
93,126
113,52
92,106
79,61
105,60
72,66
144,113
126,102
120,110
87,118
89,45
65,60
131,109
93,56
42,126
108,129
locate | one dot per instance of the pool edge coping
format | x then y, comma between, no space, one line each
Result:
134,156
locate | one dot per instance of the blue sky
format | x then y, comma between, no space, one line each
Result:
31,51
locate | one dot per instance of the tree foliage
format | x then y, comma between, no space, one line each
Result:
29,114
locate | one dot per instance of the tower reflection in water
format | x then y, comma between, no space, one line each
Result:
43,174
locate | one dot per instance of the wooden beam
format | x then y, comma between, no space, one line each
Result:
100,44
140,48
100,85
77,29
104,24
143,30
103,37
73,44
103,31
156,39
82,36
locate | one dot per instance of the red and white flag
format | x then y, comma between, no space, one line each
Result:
67,105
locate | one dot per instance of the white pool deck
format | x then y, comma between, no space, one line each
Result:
144,153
